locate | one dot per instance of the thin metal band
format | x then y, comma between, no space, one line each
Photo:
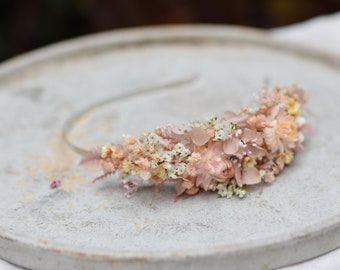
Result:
71,122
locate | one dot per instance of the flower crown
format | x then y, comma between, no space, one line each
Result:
221,154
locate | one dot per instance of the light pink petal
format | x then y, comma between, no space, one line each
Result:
203,181
177,130
216,147
251,176
231,146
275,111
236,118
249,135
92,156
199,136
256,151
269,177
238,175
180,189
179,135
108,166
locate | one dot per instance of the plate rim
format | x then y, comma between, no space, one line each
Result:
152,34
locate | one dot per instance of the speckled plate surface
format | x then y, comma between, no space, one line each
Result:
93,226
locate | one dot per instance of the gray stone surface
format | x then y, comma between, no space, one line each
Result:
89,226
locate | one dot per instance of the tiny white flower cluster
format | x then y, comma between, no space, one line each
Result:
177,169
153,138
170,160
223,128
180,150
228,190
209,123
166,156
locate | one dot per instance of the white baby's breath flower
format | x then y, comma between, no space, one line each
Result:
153,138
180,150
223,129
211,122
153,164
166,156
239,192
196,123
228,190
222,190
177,169
220,135
224,123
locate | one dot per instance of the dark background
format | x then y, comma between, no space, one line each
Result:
28,24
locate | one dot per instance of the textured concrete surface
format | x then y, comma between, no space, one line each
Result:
90,225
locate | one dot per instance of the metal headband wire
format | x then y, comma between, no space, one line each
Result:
71,122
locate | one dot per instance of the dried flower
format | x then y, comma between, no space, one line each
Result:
130,186
221,154
55,183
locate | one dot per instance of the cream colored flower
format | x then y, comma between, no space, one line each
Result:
283,133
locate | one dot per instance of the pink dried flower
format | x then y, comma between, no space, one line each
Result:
55,183
246,143
221,154
282,133
257,122
93,156
214,165
130,186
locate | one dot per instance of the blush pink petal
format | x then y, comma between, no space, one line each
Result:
236,118
216,148
251,176
199,136
255,151
249,135
238,174
231,146
177,130
203,181
107,165
180,135
180,189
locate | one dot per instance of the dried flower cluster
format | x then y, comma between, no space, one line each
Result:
221,154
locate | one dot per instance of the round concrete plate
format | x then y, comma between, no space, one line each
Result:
82,225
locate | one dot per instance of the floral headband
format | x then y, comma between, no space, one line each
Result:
222,154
